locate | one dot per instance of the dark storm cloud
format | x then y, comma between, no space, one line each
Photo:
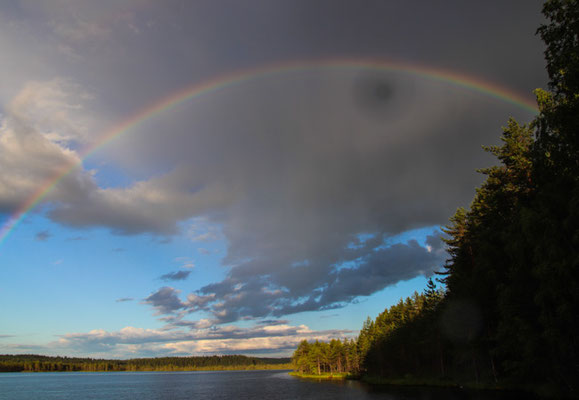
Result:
291,169
174,44
291,192
175,276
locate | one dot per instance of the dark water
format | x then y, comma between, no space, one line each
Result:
206,385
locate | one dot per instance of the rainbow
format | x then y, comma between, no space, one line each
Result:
212,85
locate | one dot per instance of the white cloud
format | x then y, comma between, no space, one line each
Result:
185,262
135,342
54,108
201,230
34,135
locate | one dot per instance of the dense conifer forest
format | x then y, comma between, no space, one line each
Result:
508,314
37,363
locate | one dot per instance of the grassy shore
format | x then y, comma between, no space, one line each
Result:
324,376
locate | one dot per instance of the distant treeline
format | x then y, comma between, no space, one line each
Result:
38,363
509,314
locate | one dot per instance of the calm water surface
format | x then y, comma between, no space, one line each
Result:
206,385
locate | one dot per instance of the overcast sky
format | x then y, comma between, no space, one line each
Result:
289,205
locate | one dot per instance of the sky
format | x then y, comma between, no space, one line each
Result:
223,177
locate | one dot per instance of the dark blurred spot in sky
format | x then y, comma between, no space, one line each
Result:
374,94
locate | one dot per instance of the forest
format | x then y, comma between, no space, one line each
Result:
507,314
37,363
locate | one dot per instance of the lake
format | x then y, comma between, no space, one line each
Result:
201,385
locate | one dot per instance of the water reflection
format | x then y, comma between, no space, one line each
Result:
210,385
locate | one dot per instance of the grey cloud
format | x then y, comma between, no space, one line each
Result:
435,242
273,322
365,270
234,299
43,236
381,268
130,335
165,300
175,276
124,299
178,322
206,37
195,301
134,210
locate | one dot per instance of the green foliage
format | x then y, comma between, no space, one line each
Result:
398,346
337,358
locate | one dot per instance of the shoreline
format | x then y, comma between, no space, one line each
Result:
340,376
539,392
280,367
